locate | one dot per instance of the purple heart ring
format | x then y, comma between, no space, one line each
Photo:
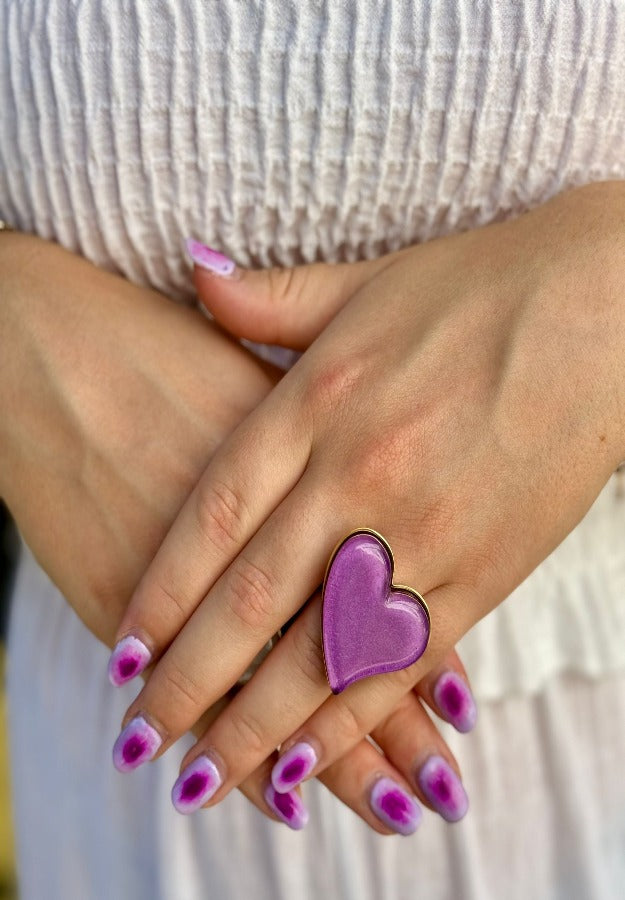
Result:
370,625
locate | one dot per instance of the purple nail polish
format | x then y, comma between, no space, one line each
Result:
195,785
455,701
210,259
443,788
130,656
393,806
293,766
288,806
137,743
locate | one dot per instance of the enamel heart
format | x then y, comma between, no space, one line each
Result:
370,625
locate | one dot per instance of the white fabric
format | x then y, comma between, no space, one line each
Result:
283,132
544,775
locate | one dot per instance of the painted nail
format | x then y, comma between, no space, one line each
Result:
455,701
137,743
393,806
288,806
443,788
130,656
195,785
298,762
210,259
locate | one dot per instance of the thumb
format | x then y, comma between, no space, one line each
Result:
287,307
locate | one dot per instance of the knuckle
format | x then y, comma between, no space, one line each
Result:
175,606
220,514
250,595
390,453
329,388
307,653
180,688
285,288
248,732
405,679
349,723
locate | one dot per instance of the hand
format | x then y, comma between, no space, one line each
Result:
112,400
466,401
123,397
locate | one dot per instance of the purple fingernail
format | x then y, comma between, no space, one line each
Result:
137,743
443,788
195,785
288,806
130,656
455,701
210,259
393,806
293,767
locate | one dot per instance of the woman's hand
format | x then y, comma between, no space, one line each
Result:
113,399
467,402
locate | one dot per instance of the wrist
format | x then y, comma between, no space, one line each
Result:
587,271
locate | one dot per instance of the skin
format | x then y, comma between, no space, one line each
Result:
465,398
113,400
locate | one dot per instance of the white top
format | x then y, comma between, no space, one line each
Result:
284,132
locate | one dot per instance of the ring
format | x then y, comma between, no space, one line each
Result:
370,626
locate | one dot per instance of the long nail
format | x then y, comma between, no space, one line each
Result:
455,701
393,806
130,656
137,743
443,788
195,785
288,806
293,766
210,259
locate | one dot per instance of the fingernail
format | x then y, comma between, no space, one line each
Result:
393,806
137,743
130,656
288,806
293,767
210,259
443,788
195,785
455,701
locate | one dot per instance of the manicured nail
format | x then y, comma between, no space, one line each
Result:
137,743
195,785
288,806
210,259
130,656
393,806
298,762
455,701
443,788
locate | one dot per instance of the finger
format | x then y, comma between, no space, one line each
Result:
285,691
447,691
200,783
284,306
258,593
271,705
245,481
364,780
369,784
411,741
344,719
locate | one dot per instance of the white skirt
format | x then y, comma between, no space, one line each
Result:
543,769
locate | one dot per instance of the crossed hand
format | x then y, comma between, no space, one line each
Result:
463,398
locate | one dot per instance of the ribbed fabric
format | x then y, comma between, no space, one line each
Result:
287,131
